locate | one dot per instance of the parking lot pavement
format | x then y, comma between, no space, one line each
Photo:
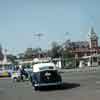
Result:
77,86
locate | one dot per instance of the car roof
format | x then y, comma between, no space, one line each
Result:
36,67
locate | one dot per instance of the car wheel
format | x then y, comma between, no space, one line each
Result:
36,88
32,84
9,74
14,79
59,86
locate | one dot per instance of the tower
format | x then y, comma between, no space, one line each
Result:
93,38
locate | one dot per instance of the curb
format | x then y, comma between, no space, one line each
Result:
4,77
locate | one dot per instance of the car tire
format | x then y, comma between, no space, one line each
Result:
59,86
33,83
14,79
36,88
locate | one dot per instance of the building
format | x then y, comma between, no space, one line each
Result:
82,48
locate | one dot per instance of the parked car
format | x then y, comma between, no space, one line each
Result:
45,74
4,73
20,75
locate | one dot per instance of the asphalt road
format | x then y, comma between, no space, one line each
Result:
77,86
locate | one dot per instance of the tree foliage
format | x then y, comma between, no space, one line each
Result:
31,53
67,55
12,58
55,51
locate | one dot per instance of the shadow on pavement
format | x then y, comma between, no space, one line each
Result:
64,86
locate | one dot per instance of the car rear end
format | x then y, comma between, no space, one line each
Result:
49,78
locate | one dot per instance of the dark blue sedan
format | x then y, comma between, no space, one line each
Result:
45,74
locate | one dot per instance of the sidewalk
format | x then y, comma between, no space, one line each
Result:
86,69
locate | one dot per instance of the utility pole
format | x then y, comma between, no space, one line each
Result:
38,36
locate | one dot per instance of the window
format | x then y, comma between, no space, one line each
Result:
46,68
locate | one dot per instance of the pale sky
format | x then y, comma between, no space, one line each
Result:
20,19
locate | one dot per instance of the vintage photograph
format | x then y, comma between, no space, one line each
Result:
49,49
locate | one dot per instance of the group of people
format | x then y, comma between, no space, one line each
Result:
22,72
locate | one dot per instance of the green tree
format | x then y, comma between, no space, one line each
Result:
68,59
55,51
12,58
30,53
21,56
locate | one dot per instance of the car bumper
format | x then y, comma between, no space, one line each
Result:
48,84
